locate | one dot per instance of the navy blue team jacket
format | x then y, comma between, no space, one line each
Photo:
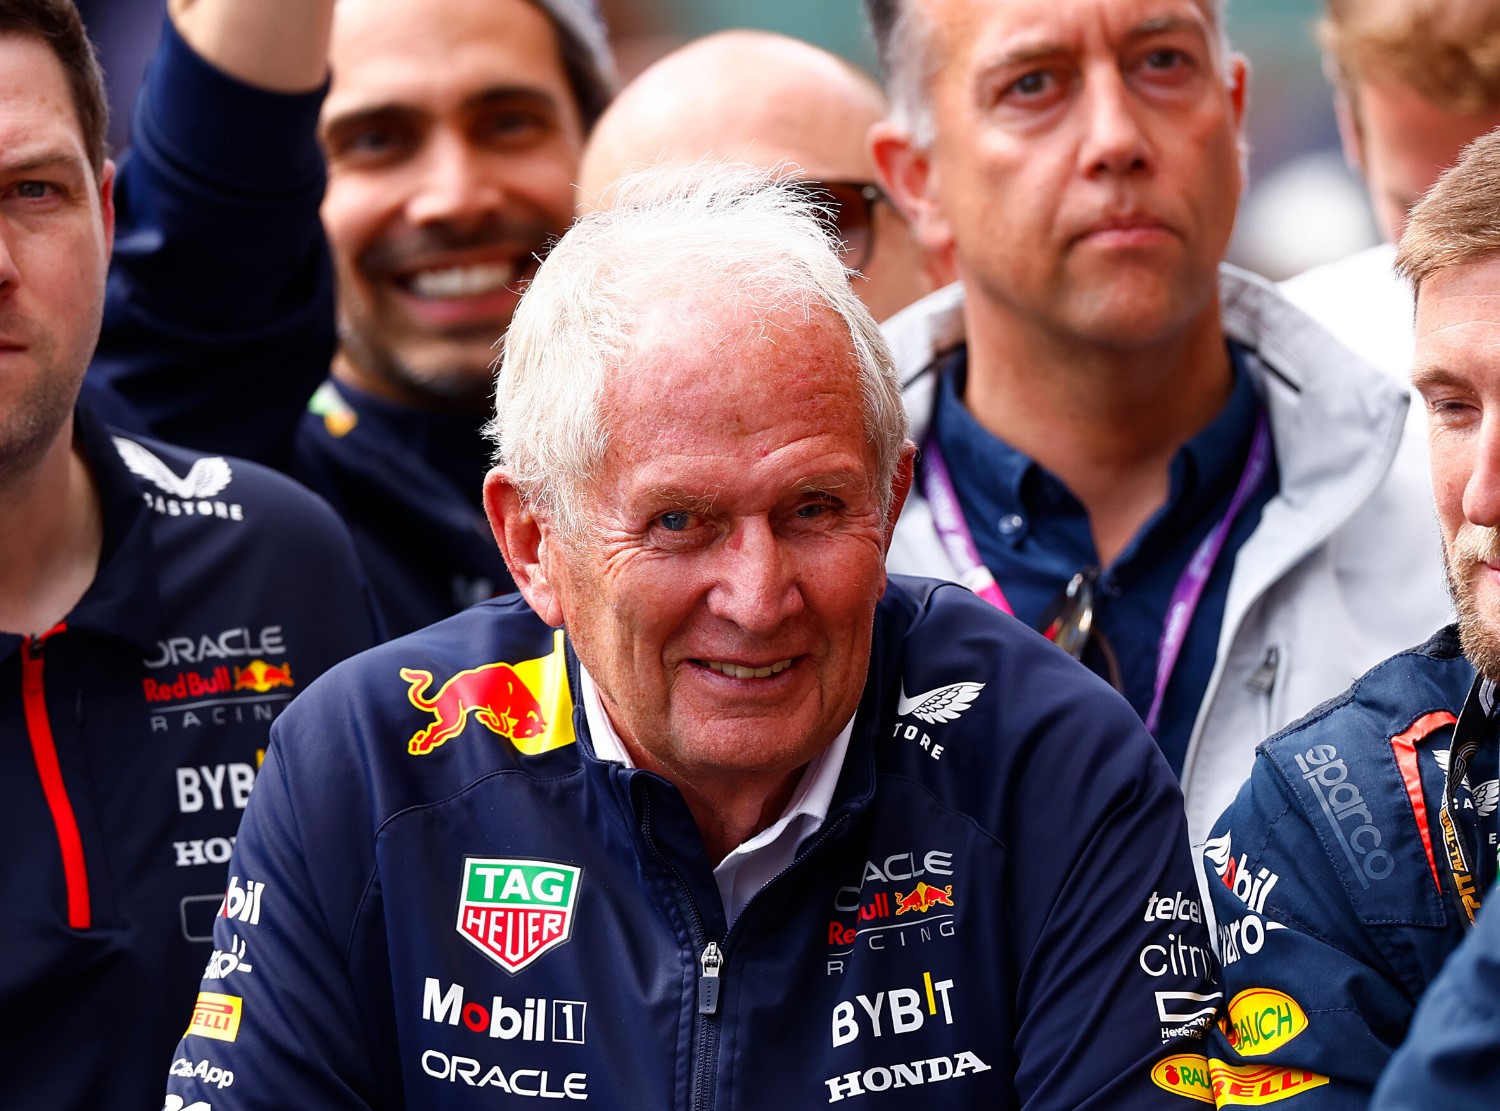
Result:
219,328
449,902
1336,896
134,732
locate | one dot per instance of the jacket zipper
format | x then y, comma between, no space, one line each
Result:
711,958
44,751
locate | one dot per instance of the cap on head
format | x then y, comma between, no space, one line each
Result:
586,56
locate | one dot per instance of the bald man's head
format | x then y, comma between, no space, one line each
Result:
766,99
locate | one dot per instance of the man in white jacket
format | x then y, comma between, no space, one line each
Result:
1180,478
1413,81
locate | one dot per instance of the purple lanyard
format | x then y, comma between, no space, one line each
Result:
948,518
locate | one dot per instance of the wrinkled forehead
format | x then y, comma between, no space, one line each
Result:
958,25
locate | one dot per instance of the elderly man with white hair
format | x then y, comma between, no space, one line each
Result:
715,814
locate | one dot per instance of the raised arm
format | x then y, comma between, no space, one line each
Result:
277,45
219,317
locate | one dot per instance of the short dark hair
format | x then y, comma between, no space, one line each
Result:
60,28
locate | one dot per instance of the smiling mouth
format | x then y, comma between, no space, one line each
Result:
735,671
450,282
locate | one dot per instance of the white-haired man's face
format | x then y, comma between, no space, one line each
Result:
723,590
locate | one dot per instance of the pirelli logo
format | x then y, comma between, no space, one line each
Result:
216,1016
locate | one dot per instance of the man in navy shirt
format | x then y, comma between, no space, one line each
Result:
1155,460
158,609
452,131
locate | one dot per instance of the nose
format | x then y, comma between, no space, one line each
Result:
755,582
458,184
1482,490
1114,141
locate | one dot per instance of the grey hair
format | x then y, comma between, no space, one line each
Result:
741,235
908,60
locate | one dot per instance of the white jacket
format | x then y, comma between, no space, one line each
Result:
1344,568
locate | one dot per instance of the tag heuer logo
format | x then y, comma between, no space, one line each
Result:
513,911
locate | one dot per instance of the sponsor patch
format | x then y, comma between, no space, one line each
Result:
1258,1085
1184,1074
940,704
189,495
882,1078
1261,1020
528,703
923,898
513,911
216,1016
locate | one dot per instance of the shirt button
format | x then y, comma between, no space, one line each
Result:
1011,524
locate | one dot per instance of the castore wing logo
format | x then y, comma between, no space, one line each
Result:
207,477
939,704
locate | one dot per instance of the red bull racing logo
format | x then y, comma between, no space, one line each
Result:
260,676
513,911
923,898
528,703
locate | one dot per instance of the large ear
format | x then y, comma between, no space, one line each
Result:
911,181
1347,114
524,540
900,487
107,204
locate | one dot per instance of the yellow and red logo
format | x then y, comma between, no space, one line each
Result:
503,698
1261,1020
1258,1085
259,676
216,1016
923,898
1184,1074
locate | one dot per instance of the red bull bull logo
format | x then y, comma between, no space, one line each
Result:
923,898
494,694
260,676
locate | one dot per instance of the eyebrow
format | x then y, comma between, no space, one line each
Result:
1148,28
42,160
405,110
1433,376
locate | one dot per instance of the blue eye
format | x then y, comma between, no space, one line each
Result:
676,521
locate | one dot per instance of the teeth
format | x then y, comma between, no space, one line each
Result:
462,281
735,671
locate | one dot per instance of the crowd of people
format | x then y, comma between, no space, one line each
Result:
752,588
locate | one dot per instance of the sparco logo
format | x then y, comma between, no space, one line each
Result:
1348,816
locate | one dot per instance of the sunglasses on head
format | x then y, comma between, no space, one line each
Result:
849,209
1069,623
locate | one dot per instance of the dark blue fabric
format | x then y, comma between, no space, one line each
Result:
219,326
158,715
1329,880
1034,536
1031,801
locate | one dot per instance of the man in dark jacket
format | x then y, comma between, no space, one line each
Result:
1356,858
158,608
451,131
713,815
